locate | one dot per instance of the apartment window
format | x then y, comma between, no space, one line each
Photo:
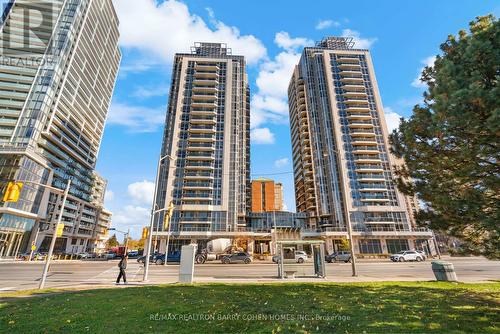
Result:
73,241
397,245
370,246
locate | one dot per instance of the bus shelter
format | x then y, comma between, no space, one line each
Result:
293,261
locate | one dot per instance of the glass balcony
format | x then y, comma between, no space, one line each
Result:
366,150
203,103
349,66
206,66
352,80
202,129
357,108
359,116
202,120
347,60
200,156
369,168
360,124
365,141
199,175
205,82
206,74
369,177
203,96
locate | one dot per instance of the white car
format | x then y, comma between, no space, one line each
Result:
300,257
407,256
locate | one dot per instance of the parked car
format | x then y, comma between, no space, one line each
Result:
172,257
152,257
142,259
237,257
338,256
110,256
299,257
406,256
133,254
424,255
83,255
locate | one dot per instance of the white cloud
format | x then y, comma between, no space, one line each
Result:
283,40
146,92
269,104
324,24
392,119
141,192
262,136
281,162
359,43
133,217
109,195
163,28
428,62
136,118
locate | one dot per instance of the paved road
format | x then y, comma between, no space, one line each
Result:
23,275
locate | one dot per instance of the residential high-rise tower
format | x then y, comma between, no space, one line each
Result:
58,65
343,170
205,157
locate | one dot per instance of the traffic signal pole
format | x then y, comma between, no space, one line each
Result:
54,237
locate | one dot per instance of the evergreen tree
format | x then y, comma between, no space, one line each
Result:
451,142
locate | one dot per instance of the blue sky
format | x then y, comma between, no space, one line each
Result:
402,36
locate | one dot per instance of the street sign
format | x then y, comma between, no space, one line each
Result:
33,247
60,229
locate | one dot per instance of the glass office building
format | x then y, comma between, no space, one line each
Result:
343,170
205,170
58,65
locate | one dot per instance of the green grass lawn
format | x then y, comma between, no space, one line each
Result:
419,307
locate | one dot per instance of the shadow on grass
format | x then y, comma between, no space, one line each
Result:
296,307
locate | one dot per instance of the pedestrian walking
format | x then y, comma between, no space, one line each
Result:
122,265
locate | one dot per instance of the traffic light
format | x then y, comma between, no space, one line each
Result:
60,229
170,210
145,232
13,191
168,215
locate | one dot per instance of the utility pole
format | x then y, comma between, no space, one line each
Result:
54,237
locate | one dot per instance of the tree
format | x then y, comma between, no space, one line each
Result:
450,144
136,244
112,241
344,244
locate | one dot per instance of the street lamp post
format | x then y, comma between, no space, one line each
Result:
151,222
54,237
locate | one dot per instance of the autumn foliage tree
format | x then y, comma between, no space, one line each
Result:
450,144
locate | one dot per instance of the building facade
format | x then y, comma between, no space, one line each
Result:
343,170
55,92
267,195
205,157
